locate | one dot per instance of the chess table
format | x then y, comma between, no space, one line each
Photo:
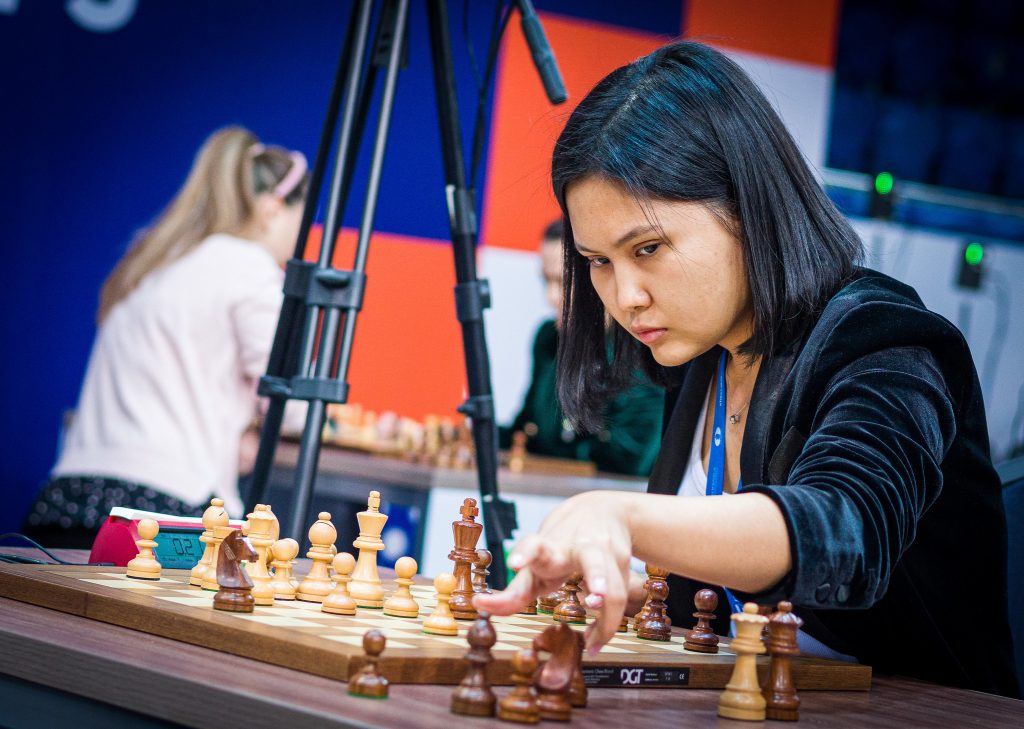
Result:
58,666
298,635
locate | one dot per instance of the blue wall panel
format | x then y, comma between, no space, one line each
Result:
98,129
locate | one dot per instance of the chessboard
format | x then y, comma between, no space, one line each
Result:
299,636
439,442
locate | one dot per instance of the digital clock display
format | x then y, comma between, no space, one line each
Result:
178,548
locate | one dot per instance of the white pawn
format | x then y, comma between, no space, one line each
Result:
401,604
339,601
317,584
441,621
213,517
220,533
284,551
145,566
261,528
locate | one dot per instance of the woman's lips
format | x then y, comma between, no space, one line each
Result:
648,336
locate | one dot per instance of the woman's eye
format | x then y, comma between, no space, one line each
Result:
597,261
647,250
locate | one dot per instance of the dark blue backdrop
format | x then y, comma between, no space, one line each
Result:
98,130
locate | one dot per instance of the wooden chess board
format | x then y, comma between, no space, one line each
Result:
298,635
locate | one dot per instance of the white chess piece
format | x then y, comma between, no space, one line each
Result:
365,587
339,601
401,604
441,621
317,584
145,566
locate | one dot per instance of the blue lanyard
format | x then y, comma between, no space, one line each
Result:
716,459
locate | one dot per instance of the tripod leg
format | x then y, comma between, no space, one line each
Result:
327,363
471,296
284,352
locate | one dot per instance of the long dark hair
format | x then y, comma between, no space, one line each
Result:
685,123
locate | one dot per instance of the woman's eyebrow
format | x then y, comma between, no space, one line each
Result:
628,236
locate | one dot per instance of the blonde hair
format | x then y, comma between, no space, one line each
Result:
219,196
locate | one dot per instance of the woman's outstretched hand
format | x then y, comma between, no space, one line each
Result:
587,534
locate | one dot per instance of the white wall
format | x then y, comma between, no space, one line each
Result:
990,317
519,307
801,94
927,260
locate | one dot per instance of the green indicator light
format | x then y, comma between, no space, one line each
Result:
973,253
883,183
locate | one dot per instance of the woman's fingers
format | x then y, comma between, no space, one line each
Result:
547,559
567,545
525,551
606,582
510,600
636,592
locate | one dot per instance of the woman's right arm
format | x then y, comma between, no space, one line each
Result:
739,541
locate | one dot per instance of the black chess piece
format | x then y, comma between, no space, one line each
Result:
467,533
473,696
654,623
781,699
702,638
520,705
570,610
369,682
480,571
554,680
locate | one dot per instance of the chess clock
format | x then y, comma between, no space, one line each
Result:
178,545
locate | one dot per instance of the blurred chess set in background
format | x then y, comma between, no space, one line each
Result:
440,442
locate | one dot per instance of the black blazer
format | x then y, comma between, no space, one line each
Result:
869,434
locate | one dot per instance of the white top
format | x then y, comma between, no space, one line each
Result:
171,381
695,482
695,478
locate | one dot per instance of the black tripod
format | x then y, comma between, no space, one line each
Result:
320,300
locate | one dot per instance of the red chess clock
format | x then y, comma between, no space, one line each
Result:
178,541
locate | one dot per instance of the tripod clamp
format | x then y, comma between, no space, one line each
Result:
327,287
500,515
471,299
311,285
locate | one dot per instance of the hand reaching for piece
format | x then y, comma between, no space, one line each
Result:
588,533
741,541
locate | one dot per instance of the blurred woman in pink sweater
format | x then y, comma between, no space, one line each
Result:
186,322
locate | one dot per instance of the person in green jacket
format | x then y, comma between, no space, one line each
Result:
630,436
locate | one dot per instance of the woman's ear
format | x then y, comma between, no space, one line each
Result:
267,208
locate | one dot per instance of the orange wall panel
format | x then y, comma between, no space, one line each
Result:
797,30
518,201
407,354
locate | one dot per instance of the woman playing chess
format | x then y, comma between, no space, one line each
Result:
186,321
826,440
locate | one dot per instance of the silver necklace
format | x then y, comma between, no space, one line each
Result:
735,417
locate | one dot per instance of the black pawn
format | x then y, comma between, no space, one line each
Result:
369,682
480,571
781,699
520,705
548,603
570,610
655,623
702,638
473,697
